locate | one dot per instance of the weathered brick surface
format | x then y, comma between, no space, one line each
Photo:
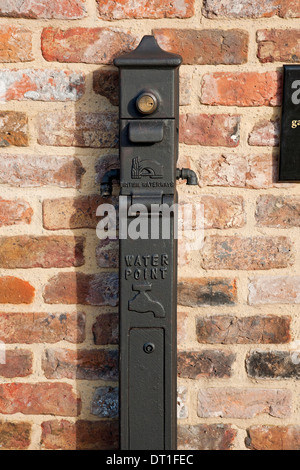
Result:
39,327
251,253
118,9
41,85
18,363
13,128
251,9
265,133
278,211
13,212
25,251
40,398
82,435
278,45
210,130
243,403
106,83
205,364
15,291
274,290
193,292
59,9
257,329
205,46
242,89
182,405
15,435
34,170
105,163
15,44
87,45
107,253
273,365
105,402
82,364
80,212
182,327
96,130
219,212
256,171
273,437
106,329
206,437
79,288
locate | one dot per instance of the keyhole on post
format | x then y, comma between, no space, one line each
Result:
147,103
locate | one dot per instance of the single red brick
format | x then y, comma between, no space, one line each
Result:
15,44
278,211
256,171
218,130
251,9
58,9
273,364
15,435
227,329
96,130
205,364
87,45
13,212
242,89
278,45
182,404
41,85
106,83
243,403
15,291
86,289
219,212
106,329
13,128
18,363
246,253
265,133
118,9
42,327
27,251
273,437
82,435
107,253
206,437
36,170
197,292
39,399
212,46
274,290
73,213
96,364
182,327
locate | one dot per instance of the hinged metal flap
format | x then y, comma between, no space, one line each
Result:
147,132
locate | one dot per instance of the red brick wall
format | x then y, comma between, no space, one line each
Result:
238,313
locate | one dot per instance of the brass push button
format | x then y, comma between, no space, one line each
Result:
147,103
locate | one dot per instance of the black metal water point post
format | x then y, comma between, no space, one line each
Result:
149,115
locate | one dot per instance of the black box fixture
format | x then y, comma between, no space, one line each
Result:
289,166
149,99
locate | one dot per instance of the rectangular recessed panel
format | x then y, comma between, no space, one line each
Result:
289,168
146,389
